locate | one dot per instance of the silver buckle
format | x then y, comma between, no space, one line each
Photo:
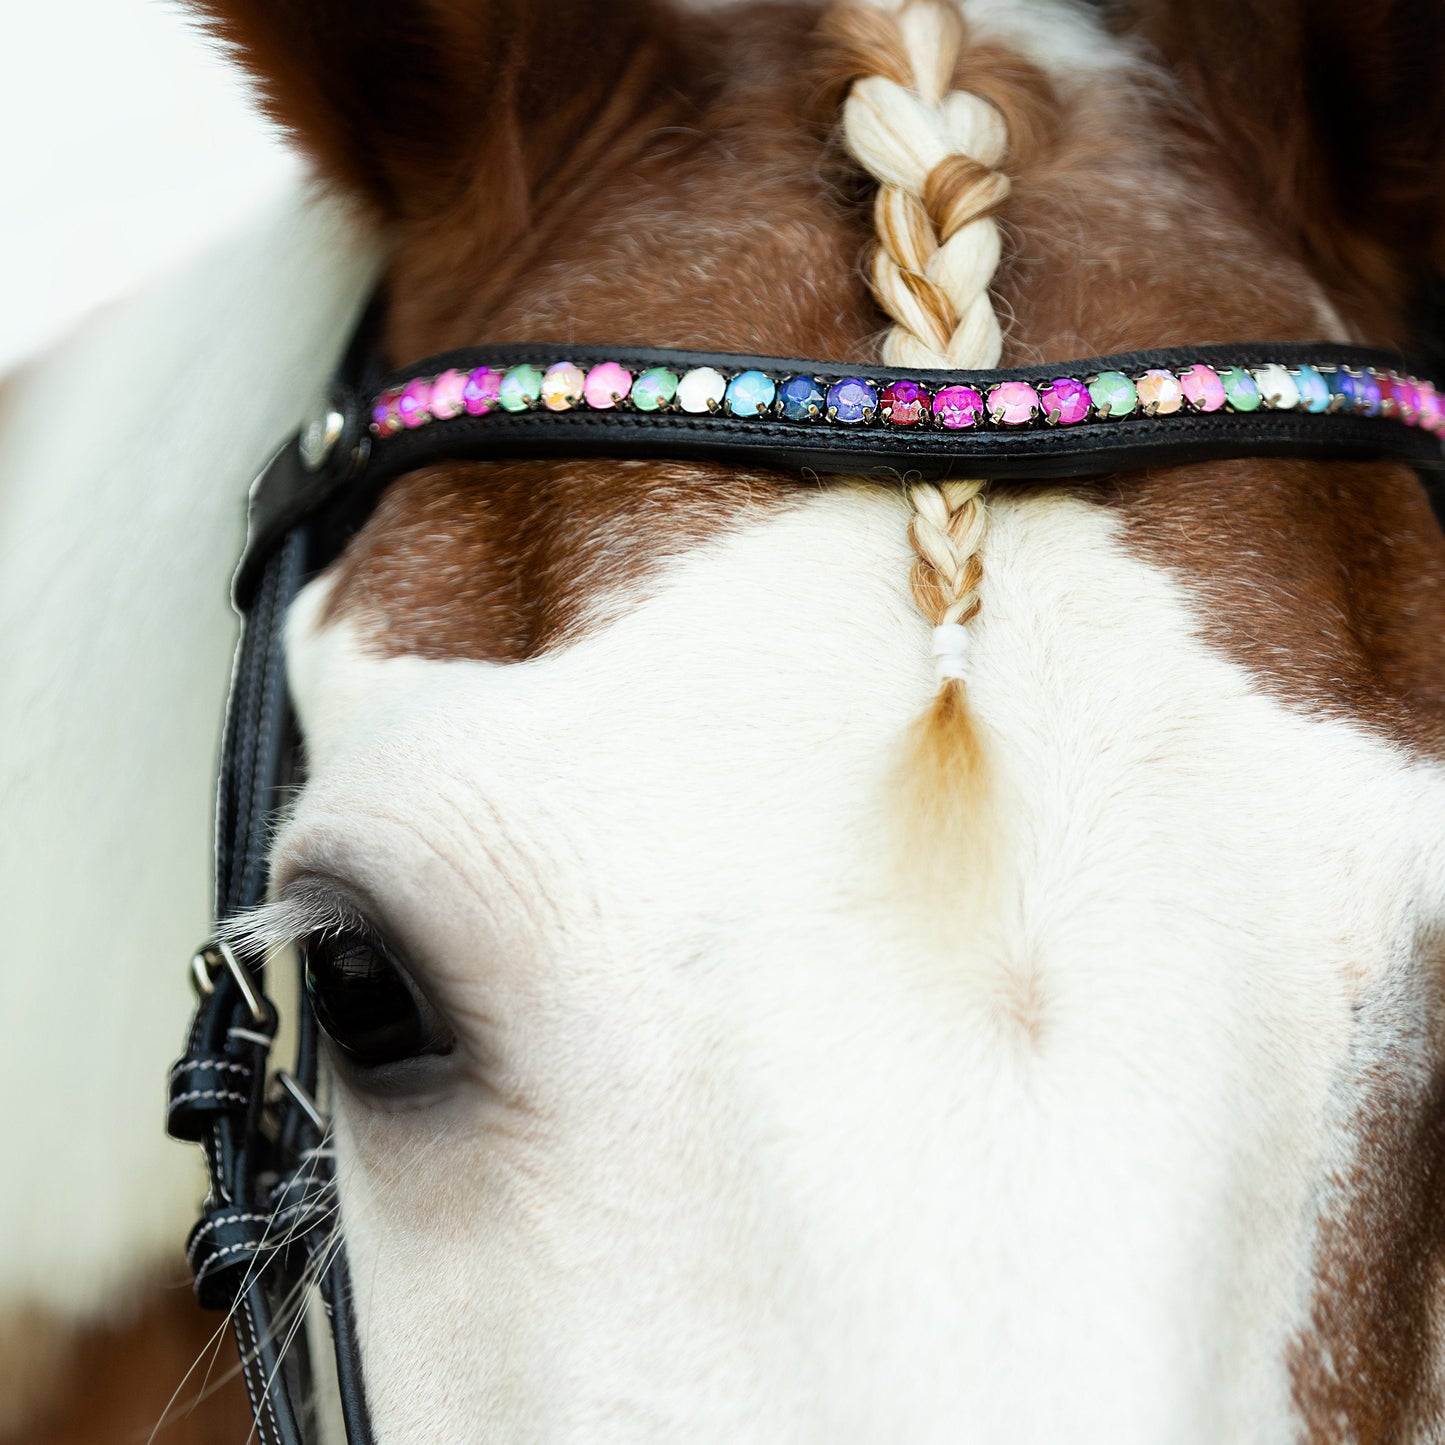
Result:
283,1083
209,960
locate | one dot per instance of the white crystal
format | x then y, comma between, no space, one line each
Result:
701,389
1277,388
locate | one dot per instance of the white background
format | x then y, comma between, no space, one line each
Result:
128,144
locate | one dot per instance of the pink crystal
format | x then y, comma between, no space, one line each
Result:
414,403
446,395
606,385
1065,401
956,407
1430,414
1014,403
480,393
1407,401
1203,389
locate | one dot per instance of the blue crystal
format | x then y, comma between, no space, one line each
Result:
1344,389
750,393
802,398
852,400
1367,395
1313,391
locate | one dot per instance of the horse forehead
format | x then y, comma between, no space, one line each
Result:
1177,1010
772,673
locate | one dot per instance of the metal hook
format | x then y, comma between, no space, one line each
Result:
217,953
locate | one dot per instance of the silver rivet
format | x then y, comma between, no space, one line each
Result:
320,436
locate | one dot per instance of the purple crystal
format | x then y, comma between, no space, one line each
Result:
1368,396
1065,401
956,407
851,400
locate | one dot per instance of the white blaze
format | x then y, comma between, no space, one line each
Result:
765,1145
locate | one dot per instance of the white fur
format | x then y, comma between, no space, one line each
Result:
124,463
764,1145
1062,37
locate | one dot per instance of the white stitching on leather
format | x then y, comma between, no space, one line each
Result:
193,1094
219,1066
213,1257
219,1221
251,1360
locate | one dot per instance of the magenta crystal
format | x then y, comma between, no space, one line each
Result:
480,393
1203,389
414,403
1013,403
1065,401
446,395
956,407
904,403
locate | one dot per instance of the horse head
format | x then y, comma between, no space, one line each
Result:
745,1024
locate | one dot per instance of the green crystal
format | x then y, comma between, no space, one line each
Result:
1241,390
1113,394
521,387
654,388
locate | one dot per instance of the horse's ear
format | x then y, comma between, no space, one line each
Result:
1333,114
398,102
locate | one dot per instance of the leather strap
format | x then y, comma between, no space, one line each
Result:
270,1221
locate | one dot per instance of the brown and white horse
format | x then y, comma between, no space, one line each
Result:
1111,1110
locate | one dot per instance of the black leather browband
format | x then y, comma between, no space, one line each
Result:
335,471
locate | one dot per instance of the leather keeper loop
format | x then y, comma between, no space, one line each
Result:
201,1088
224,1251
301,1203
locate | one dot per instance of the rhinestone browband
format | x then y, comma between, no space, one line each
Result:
800,418
863,401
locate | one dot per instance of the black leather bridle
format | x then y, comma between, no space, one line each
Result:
270,1231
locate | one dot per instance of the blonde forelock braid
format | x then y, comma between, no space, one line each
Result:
935,153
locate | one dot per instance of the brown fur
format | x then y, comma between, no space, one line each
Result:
1367,1372
666,181
110,1385
1330,118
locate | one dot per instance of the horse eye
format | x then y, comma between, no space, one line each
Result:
365,1002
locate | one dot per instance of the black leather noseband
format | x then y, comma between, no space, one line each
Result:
271,1219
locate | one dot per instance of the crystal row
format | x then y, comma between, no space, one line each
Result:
858,401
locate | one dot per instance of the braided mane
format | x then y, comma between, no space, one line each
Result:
935,152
